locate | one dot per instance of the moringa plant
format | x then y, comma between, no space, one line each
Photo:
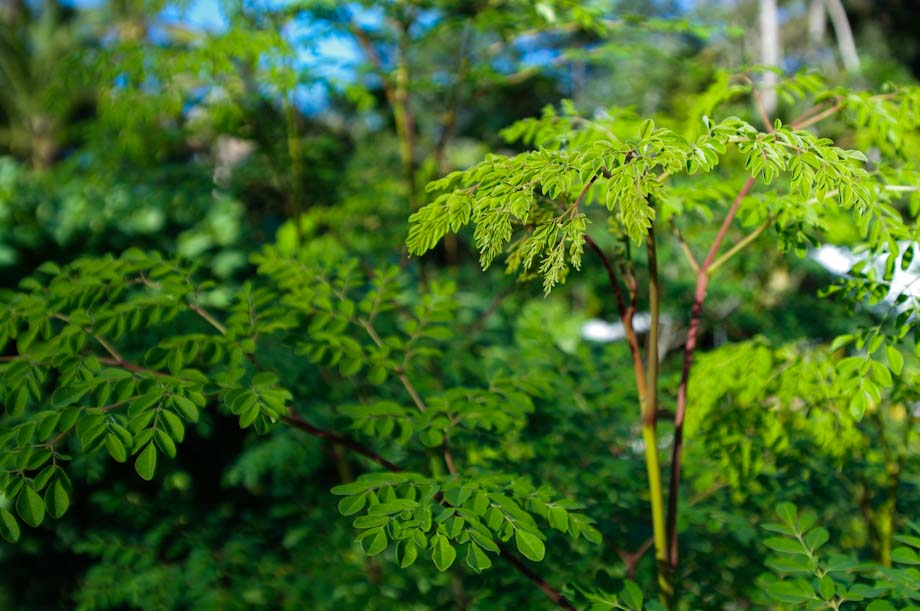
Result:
120,356
643,182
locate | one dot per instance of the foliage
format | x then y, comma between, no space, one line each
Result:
266,400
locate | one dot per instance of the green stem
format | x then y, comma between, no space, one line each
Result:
649,428
656,494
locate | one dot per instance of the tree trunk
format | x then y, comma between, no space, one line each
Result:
844,35
770,53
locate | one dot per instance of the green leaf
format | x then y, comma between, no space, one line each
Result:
56,499
67,395
880,605
632,595
116,448
782,544
530,546
375,543
827,587
9,527
146,462
30,506
795,592
174,425
787,513
591,534
406,553
558,518
895,359
817,537
165,443
905,555
442,553
187,408
145,401
477,559
351,505
349,489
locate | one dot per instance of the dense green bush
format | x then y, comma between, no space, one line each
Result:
266,400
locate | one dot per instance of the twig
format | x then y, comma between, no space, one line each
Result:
686,248
738,247
626,314
758,99
803,123
108,347
200,311
407,384
561,601
294,420
632,559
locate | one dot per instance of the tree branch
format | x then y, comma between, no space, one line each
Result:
294,420
686,248
702,282
626,314
738,247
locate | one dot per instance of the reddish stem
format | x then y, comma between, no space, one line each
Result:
699,296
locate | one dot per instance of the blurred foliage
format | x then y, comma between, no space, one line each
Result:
275,158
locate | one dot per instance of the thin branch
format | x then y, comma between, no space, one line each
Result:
726,224
649,425
200,311
738,247
108,347
561,601
611,274
762,109
691,259
803,123
584,191
294,420
631,559
407,384
123,364
626,314
449,458
702,282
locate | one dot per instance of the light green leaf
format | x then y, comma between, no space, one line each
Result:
442,553
406,553
477,559
351,505
375,543
895,359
